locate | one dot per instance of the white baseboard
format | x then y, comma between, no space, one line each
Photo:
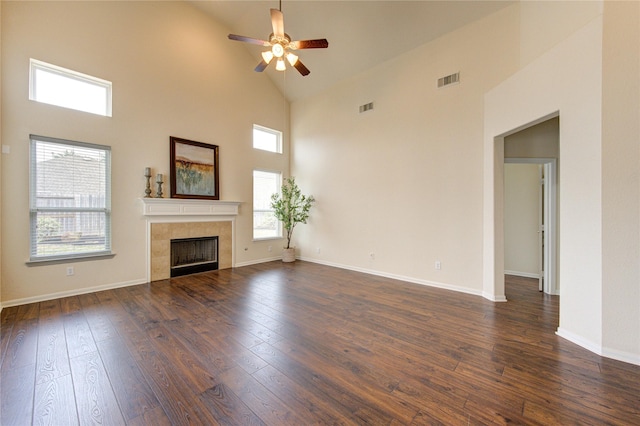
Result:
627,357
522,274
256,262
398,277
493,297
76,292
621,356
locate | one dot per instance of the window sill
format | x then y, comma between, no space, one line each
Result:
256,240
69,259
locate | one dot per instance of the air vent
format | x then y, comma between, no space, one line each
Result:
450,79
366,107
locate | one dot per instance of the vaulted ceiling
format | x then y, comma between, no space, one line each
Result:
361,33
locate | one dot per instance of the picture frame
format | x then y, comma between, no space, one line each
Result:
194,169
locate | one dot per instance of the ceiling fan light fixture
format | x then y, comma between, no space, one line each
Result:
267,56
277,50
292,58
280,46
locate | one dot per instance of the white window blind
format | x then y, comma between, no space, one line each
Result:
265,224
70,199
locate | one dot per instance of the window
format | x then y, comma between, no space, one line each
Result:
55,85
70,200
267,139
265,224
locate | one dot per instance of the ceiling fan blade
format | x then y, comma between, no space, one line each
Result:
277,21
320,43
301,68
261,66
249,40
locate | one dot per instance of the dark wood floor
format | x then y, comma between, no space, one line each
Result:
301,344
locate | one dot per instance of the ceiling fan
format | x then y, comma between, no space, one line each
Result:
281,46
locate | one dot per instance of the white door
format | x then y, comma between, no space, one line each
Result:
541,238
549,227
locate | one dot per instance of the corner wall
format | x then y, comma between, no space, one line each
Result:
399,187
599,152
545,86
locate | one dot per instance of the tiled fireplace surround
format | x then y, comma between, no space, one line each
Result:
170,218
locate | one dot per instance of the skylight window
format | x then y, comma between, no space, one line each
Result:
59,86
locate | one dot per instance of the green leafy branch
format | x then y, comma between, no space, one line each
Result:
291,206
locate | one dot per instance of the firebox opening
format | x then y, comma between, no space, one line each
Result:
193,255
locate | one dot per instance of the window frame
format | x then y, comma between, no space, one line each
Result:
277,133
34,209
279,231
36,65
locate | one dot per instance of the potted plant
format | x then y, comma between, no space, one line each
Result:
291,207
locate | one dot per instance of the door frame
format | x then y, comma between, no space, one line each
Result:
550,219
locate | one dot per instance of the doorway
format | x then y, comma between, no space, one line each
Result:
531,220
538,146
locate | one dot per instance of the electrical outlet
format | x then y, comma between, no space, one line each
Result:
438,265
70,271
372,256
269,248
318,250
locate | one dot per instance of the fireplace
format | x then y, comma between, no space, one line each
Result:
174,219
193,255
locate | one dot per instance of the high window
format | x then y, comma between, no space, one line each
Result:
267,139
70,199
51,84
265,224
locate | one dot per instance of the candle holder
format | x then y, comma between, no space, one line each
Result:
159,182
147,174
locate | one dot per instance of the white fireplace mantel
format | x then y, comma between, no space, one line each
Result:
188,207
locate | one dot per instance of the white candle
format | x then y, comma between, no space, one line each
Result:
147,172
159,178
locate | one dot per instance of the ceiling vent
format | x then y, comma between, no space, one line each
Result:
366,107
449,79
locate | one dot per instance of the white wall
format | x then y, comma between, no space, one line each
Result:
521,216
545,23
621,181
174,73
404,181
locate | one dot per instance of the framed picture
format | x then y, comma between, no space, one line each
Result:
194,170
